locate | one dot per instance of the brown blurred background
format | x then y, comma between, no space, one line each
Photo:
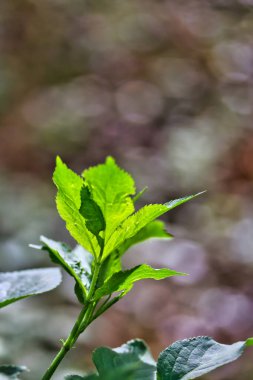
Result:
166,88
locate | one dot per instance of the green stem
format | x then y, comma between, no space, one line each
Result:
84,319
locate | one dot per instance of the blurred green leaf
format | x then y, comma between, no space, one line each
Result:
11,372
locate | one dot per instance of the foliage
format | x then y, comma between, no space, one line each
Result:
99,209
184,360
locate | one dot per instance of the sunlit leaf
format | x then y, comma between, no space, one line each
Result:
123,281
68,201
111,189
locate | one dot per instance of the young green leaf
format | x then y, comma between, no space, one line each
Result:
191,358
11,371
132,358
134,223
123,281
68,201
155,229
75,262
111,189
17,285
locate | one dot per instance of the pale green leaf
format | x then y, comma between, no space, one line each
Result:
191,358
76,262
124,280
111,189
17,285
68,201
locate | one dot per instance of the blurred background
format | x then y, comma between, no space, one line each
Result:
166,87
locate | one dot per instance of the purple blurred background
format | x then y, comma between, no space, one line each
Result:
166,88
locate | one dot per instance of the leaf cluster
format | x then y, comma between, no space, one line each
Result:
99,210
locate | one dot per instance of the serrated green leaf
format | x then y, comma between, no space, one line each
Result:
22,284
68,202
111,189
132,359
152,230
191,358
177,202
123,281
134,223
92,213
11,371
75,262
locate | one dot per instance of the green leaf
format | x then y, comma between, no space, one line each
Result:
191,358
75,262
123,281
177,202
111,189
134,223
91,212
77,377
110,265
17,285
68,201
132,359
152,230
139,195
11,371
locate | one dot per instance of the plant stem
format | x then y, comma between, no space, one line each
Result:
84,319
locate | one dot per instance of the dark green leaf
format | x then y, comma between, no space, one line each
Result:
17,285
191,358
124,280
11,371
132,359
76,262
91,212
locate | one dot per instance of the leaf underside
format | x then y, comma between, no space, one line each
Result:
191,358
77,263
17,285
